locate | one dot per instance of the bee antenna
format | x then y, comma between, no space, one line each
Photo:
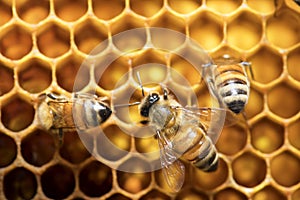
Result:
140,82
127,104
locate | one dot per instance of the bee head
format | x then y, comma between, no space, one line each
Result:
149,101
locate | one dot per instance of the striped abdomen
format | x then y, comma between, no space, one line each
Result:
232,84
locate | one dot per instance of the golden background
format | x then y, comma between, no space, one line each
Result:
42,45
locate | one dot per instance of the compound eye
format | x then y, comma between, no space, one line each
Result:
153,98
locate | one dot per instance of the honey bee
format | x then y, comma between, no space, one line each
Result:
56,112
180,131
230,82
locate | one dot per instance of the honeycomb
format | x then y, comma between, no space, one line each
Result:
43,45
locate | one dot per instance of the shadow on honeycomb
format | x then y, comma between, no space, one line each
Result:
42,46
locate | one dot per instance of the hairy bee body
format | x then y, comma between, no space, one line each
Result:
57,112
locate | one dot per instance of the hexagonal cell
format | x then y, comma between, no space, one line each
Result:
113,144
277,27
32,12
20,183
70,10
73,149
118,196
249,170
293,134
95,179
5,13
17,114
293,59
155,194
285,169
38,148
169,21
137,179
7,76
125,23
58,181
255,103
267,136
223,7
230,193
269,192
296,195
232,140
53,40
267,65
8,150
244,31
207,29
290,106
263,7
15,42
211,180
71,74
108,9
114,75
191,194
184,7
145,141
89,34
35,75
146,8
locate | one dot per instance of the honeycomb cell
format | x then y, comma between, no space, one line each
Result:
15,43
191,194
230,193
207,29
249,170
285,169
282,34
5,13
223,7
89,34
146,144
267,65
293,60
7,76
184,7
73,149
70,10
32,12
118,196
265,7
95,179
58,181
146,8
115,75
19,183
35,76
255,103
293,134
287,107
169,21
8,150
244,31
71,74
267,136
17,114
53,40
296,195
125,23
133,175
38,148
113,144
232,140
108,9
155,194
269,192
211,180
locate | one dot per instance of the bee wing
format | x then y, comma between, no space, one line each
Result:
173,170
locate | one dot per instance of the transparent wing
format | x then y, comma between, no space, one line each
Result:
173,170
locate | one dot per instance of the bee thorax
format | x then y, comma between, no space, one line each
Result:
160,116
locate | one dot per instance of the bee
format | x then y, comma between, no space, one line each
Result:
180,131
230,82
56,112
